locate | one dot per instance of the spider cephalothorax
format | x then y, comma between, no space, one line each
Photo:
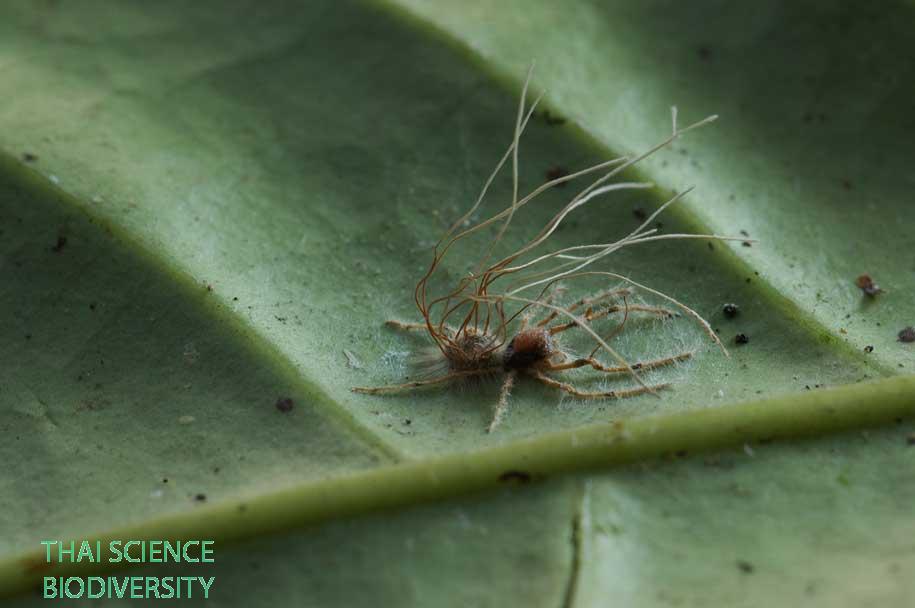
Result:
530,348
475,333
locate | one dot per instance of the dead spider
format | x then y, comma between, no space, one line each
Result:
476,336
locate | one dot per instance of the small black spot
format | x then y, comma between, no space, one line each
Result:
29,157
907,334
910,440
518,477
745,566
407,421
235,299
91,305
710,246
216,470
745,233
846,184
200,497
640,215
730,310
284,404
681,453
552,119
746,244
705,53
868,349
741,339
556,172
165,480
61,243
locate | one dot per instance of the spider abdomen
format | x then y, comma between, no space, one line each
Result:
528,348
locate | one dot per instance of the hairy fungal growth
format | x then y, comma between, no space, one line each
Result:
487,324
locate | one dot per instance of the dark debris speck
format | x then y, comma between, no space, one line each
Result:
907,334
284,404
730,310
741,339
868,349
553,119
61,243
866,284
556,172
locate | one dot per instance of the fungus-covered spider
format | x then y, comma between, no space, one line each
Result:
476,336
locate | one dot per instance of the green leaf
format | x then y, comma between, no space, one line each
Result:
208,209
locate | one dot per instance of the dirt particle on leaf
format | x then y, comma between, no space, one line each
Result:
907,334
518,477
741,339
200,497
552,119
730,310
556,172
29,157
866,284
745,566
640,215
868,349
61,243
284,404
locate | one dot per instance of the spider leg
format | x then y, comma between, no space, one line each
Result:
406,386
617,394
588,300
603,312
402,326
502,405
654,363
405,326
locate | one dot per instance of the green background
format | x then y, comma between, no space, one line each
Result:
228,195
